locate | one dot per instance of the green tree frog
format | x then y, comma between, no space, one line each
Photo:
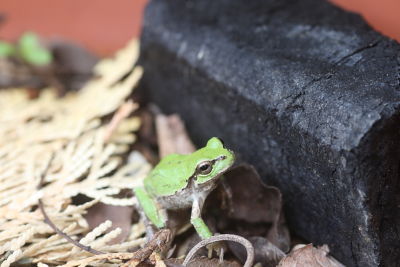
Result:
184,181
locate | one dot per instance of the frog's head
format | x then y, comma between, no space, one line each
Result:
212,160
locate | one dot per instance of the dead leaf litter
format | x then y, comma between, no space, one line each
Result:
79,157
87,159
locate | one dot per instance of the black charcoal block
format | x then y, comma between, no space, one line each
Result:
306,92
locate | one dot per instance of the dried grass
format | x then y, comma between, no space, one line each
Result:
85,156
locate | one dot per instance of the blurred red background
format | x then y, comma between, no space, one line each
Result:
100,25
383,15
104,25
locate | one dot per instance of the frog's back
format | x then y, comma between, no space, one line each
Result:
169,176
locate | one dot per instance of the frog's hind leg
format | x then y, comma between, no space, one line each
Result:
151,209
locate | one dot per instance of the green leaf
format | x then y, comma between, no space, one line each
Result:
6,49
32,51
39,57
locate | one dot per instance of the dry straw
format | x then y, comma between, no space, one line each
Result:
85,156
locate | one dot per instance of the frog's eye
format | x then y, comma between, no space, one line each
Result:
204,167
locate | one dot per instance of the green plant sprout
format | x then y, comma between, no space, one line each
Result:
31,51
28,49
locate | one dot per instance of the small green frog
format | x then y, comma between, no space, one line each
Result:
184,181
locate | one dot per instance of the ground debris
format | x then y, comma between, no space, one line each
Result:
308,255
172,136
251,210
81,154
264,251
120,216
159,243
74,156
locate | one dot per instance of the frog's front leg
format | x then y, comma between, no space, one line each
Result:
151,209
196,220
202,229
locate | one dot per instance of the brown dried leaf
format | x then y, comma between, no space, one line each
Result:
99,258
70,130
120,216
173,262
184,246
73,64
254,202
147,144
310,256
147,131
265,252
279,234
203,262
160,242
257,203
172,136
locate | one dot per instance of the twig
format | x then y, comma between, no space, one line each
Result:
52,225
64,235
45,171
158,242
225,237
123,112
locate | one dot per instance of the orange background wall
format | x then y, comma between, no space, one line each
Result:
383,15
105,25
101,25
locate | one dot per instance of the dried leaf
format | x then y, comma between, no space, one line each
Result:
248,262
189,242
265,252
111,257
173,262
120,216
73,64
172,136
147,131
160,242
257,203
147,136
69,131
310,256
206,262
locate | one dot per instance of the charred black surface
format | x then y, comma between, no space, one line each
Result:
306,92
